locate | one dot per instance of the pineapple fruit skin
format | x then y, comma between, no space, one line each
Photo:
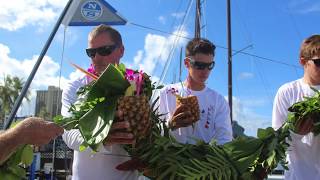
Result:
135,110
192,106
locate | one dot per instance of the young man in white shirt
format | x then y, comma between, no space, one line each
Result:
104,47
303,153
214,122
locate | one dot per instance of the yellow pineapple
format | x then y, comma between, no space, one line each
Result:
136,110
192,106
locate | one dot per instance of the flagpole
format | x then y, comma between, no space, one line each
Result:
35,68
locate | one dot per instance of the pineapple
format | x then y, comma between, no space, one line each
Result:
192,106
136,111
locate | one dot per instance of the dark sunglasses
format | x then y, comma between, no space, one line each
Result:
201,65
316,62
102,51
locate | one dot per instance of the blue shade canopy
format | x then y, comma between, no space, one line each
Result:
92,13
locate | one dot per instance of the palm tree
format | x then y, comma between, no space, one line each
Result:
10,89
43,113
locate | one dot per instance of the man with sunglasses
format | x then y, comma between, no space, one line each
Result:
214,122
303,153
104,47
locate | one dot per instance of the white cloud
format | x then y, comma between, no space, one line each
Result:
16,14
255,102
22,68
137,59
157,49
162,19
304,6
245,75
47,74
311,9
74,75
245,115
178,15
71,36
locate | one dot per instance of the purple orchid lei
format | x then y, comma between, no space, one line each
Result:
135,77
92,71
172,91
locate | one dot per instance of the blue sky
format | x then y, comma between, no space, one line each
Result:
271,29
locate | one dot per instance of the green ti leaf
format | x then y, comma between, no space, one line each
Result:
95,125
27,155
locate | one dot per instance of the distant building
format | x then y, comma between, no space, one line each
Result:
48,102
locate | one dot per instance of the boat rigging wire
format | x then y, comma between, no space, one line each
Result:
221,47
204,2
58,99
247,37
168,61
294,23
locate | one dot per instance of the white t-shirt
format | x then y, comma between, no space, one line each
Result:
214,120
88,165
303,153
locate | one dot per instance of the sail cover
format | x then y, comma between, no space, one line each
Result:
92,13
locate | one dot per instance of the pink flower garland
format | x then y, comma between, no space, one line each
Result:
137,78
92,71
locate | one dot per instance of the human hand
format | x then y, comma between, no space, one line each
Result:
34,130
305,126
119,133
181,117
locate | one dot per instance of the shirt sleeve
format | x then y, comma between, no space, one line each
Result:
222,123
72,138
69,97
163,104
280,109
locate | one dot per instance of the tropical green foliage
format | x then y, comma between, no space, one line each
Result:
307,110
14,167
94,111
10,89
162,157
244,158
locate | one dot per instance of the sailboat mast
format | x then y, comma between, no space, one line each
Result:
180,65
197,33
229,57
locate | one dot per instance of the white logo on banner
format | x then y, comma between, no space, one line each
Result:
91,10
